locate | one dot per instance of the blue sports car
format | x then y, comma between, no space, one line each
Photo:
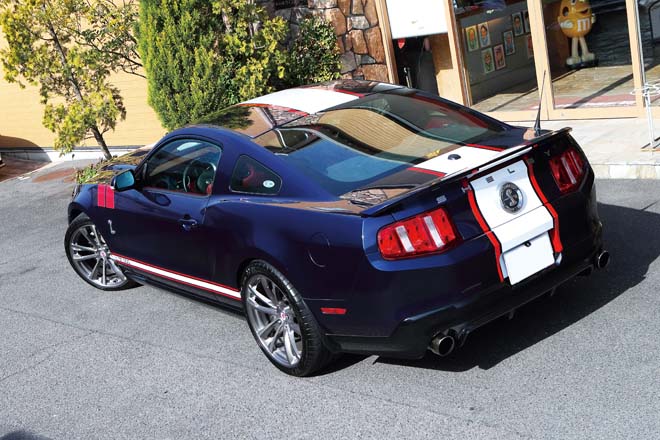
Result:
345,217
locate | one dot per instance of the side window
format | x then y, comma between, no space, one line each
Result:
186,165
250,176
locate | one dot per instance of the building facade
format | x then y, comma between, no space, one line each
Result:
21,113
496,56
590,57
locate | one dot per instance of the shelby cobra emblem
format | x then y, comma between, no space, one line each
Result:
511,197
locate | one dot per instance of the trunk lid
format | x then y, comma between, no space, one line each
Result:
486,170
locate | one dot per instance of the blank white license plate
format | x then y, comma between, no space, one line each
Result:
529,258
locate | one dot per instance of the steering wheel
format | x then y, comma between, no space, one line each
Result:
205,175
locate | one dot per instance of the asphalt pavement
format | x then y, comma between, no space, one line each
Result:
79,363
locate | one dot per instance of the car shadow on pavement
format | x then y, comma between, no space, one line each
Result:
631,236
22,435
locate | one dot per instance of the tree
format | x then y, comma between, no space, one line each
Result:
201,56
68,48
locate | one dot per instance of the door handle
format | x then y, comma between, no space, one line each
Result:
188,223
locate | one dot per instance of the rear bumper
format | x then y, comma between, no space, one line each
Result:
411,337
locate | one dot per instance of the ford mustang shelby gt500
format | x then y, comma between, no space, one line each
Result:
349,216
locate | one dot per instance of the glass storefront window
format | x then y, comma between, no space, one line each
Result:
498,54
584,47
649,23
589,53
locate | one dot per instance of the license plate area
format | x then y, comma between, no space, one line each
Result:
525,260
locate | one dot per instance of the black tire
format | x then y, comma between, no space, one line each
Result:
80,222
315,355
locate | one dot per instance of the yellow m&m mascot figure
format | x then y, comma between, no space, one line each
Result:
575,20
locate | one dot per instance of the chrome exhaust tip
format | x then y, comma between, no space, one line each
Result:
442,345
602,259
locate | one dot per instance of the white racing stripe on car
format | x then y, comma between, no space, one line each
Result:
458,159
487,193
307,100
527,225
174,276
521,229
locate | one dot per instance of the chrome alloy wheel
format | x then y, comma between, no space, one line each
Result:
91,255
274,321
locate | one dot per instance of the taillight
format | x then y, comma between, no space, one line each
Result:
568,169
427,233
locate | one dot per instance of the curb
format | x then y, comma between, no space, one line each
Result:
626,171
51,155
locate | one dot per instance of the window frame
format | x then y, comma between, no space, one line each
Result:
142,168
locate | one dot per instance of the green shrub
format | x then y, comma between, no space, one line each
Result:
201,56
314,55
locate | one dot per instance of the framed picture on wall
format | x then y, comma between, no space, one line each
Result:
517,22
500,61
471,38
484,34
526,21
509,43
530,47
487,60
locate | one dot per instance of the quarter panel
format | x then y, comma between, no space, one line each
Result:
244,229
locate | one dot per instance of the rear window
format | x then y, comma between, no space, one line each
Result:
358,143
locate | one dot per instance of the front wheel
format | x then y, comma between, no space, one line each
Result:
281,323
89,256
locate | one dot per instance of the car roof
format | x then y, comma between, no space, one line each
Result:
264,113
317,97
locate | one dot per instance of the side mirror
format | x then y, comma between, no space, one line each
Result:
123,181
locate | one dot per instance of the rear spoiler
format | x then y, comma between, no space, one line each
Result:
504,156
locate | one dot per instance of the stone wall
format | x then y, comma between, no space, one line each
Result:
357,29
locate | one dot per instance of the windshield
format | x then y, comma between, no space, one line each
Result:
361,143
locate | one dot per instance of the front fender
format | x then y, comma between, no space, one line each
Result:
82,202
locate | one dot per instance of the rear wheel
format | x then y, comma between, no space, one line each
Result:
281,323
89,256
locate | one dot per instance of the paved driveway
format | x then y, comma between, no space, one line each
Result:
17,167
76,362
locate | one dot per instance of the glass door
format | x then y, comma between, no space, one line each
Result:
649,22
592,67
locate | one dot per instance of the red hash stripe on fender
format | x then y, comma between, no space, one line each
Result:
105,196
484,227
199,283
556,240
100,196
110,197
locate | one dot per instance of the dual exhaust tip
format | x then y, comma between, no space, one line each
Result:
444,344
602,259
